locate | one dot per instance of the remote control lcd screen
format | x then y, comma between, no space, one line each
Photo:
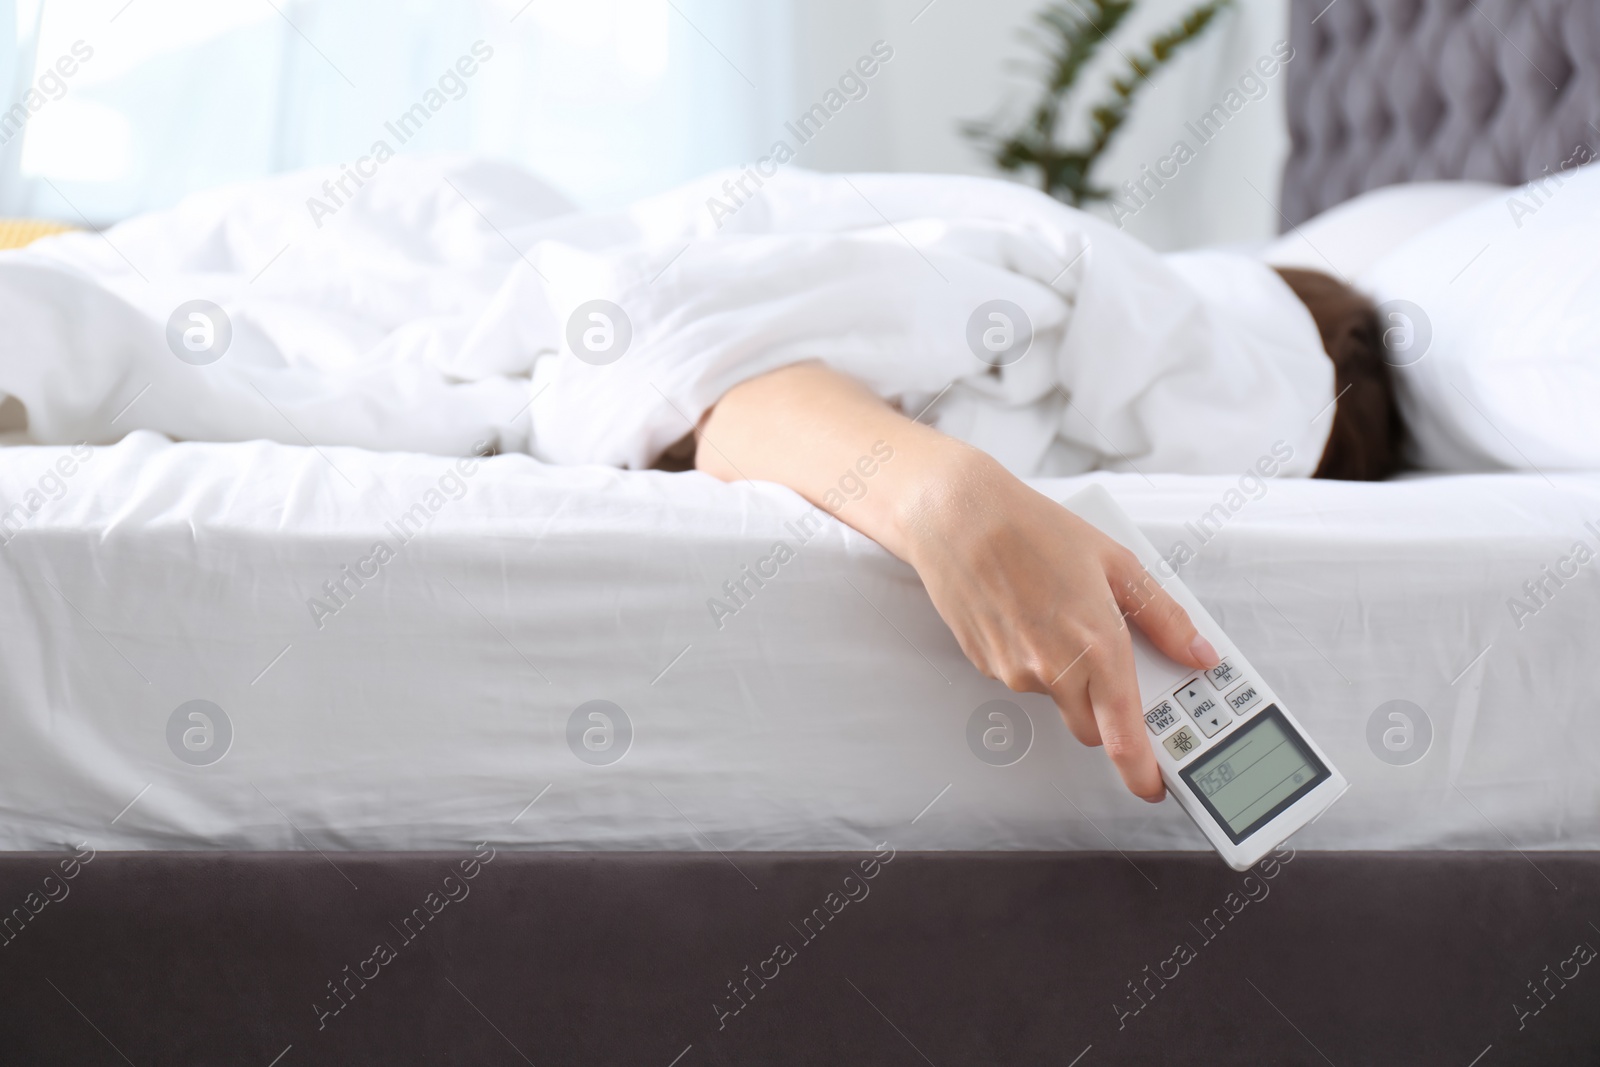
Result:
1255,774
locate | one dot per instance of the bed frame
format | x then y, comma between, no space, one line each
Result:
1386,91
675,960
672,958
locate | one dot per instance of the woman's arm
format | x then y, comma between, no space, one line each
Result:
1036,596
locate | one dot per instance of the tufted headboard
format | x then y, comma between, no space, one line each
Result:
1386,91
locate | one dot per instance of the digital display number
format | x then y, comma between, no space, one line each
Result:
1214,779
1255,774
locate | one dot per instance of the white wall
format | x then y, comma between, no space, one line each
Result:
956,61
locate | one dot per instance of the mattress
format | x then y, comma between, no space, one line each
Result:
259,646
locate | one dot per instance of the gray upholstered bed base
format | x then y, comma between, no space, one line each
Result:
1386,91
1428,959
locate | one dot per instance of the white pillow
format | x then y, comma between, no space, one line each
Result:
1493,321
1347,240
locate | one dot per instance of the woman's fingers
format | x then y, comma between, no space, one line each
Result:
1039,599
1071,694
1161,618
1119,715
1097,691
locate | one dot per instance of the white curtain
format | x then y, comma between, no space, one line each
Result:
607,99
19,24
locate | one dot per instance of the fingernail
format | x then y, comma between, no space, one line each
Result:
1156,800
1202,651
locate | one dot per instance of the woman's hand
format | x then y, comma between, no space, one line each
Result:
1037,597
1040,600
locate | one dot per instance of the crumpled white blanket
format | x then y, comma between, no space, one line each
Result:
438,306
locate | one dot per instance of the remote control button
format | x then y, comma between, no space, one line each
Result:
1182,743
1244,698
1161,717
1197,699
1212,721
1223,674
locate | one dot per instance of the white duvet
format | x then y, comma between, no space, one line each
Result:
438,307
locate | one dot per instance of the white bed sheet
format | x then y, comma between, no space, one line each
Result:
431,710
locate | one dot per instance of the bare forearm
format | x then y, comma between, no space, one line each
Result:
830,439
1036,596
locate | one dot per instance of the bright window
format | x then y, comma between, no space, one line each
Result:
607,99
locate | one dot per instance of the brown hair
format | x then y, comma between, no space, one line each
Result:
1365,442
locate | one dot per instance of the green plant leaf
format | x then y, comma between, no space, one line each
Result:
1072,33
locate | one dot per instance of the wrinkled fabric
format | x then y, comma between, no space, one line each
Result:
436,308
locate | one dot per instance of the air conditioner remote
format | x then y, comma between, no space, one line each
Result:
1229,750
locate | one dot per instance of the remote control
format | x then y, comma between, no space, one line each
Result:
1229,750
